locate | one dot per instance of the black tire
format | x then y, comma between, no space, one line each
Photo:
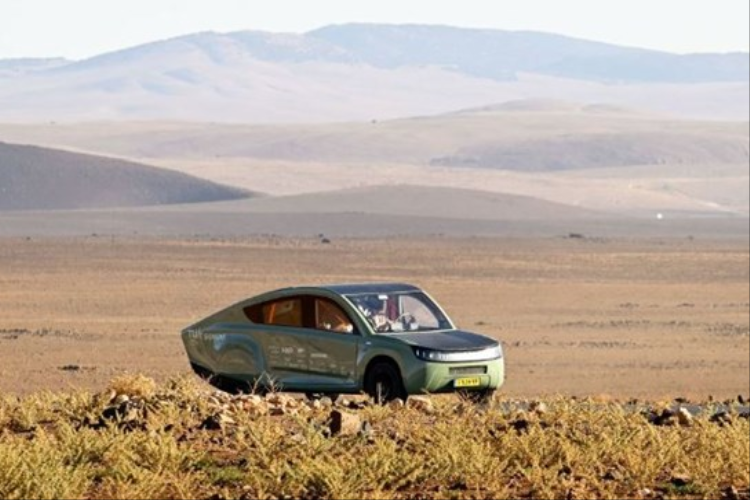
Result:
234,386
383,382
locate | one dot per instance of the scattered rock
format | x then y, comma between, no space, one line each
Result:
276,398
421,403
292,403
358,405
105,397
565,470
367,431
612,475
680,480
298,438
132,409
253,404
520,425
121,398
128,414
684,418
217,422
730,493
538,407
396,404
666,417
326,402
277,411
345,424
721,417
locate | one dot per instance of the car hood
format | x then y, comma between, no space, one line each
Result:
451,340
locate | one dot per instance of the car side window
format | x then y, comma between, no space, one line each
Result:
329,316
285,312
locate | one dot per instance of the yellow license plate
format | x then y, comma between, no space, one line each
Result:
467,382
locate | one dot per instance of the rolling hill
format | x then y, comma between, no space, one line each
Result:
411,201
528,135
364,72
33,178
595,157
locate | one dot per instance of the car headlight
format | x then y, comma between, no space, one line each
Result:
490,353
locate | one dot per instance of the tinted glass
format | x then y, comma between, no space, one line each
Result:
287,312
329,316
400,312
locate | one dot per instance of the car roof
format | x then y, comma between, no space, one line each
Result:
362,288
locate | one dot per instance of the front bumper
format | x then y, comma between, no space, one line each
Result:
430,377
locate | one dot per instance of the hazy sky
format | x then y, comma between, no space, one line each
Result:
80,28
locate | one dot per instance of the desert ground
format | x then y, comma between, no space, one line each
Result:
607,317
594,222
606,247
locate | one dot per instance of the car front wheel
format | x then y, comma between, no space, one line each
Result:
383,383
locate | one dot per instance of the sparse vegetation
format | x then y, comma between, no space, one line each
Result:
180,440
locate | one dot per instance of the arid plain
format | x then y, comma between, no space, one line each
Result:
645,317
606,247
584,203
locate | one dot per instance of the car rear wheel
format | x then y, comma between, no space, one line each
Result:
383,382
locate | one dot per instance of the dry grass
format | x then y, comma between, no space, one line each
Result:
133,385
60,446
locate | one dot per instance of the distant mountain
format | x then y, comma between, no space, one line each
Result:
363,72
501,55
17,67
495,54
33,178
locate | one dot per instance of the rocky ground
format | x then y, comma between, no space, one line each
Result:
138,439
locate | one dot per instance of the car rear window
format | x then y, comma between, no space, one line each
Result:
285,312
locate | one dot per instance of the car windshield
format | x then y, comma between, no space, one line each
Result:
400,312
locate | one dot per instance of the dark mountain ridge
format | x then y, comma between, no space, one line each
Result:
33,178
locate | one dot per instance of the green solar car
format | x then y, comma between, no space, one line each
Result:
388,340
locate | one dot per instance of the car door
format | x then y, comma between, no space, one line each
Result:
301,351
333,343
